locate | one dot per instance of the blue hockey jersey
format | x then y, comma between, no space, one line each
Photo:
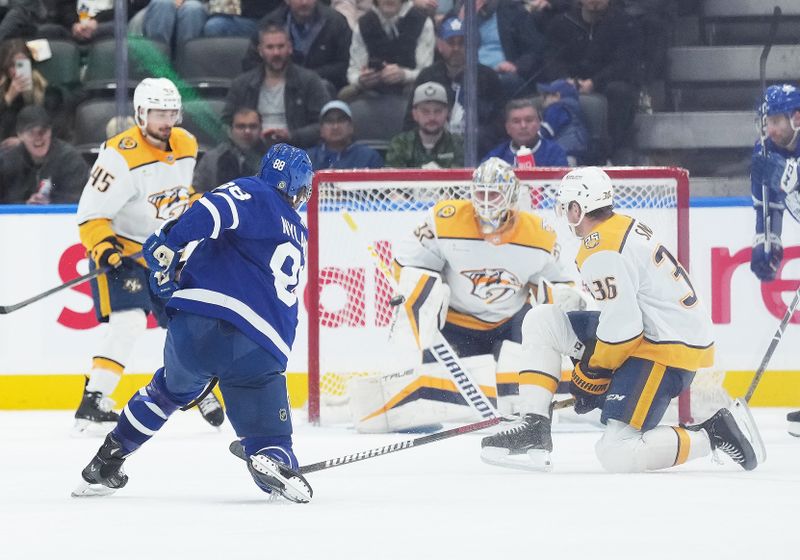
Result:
247,266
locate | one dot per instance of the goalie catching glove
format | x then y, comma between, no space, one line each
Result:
162,258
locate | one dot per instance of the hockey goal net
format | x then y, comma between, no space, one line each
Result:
348,297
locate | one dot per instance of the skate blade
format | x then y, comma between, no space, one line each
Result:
537,460
87,428
293,488
744,419
87,490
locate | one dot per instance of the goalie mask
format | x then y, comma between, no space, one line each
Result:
155,93
494,193
589,187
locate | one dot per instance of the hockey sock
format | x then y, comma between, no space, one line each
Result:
105,376
124,327
145,413
667,446
536,390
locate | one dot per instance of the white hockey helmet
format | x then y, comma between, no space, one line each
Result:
589,187
494,192
155,93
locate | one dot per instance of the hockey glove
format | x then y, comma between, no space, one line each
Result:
107,253
588,388
162,258
775,171
765,265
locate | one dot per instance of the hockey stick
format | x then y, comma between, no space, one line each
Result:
236,446
776,338
762,72
5,309
440,348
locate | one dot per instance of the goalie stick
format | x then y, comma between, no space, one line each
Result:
440,348
762,73
236,446
6,309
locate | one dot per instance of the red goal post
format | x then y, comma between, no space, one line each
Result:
346,297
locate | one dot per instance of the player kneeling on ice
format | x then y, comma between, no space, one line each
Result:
632,357
233,316
470,273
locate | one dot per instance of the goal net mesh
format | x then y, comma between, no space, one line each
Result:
356,213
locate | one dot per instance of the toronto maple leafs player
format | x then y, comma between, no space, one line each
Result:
233,316
490,256
774,183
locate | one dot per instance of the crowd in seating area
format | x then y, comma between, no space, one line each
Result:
359,83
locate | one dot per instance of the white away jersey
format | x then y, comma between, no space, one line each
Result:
489,277
648,306
137,186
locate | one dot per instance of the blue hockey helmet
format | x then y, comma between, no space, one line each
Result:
288,169
781,99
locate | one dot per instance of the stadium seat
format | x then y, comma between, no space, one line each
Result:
725,78
747,22
201,117
377,118
63,68
696,130
211,62
91,118
146,59
595,109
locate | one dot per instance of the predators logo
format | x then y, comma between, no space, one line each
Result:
493,285
170,203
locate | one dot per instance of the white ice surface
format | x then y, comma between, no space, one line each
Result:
189,498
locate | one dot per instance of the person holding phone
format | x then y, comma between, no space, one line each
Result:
391,44
20,85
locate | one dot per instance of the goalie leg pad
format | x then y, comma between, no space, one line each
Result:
417,398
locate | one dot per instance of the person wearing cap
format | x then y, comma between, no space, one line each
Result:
337,150
391,44
429,145
449,71
40,169
523,122
563,120
238,156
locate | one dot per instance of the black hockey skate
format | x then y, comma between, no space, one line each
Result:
211,410
103,475
530,438
94,412
274,476
726,436
794,423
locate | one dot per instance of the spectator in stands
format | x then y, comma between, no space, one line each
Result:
320,39
174,20
429,145
239,156
544,10
354,9
449,71
523,121
236,18
17,89
117,125
288,97
599,47
19,19
510,43
337,150
563,120
391,45
40,169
